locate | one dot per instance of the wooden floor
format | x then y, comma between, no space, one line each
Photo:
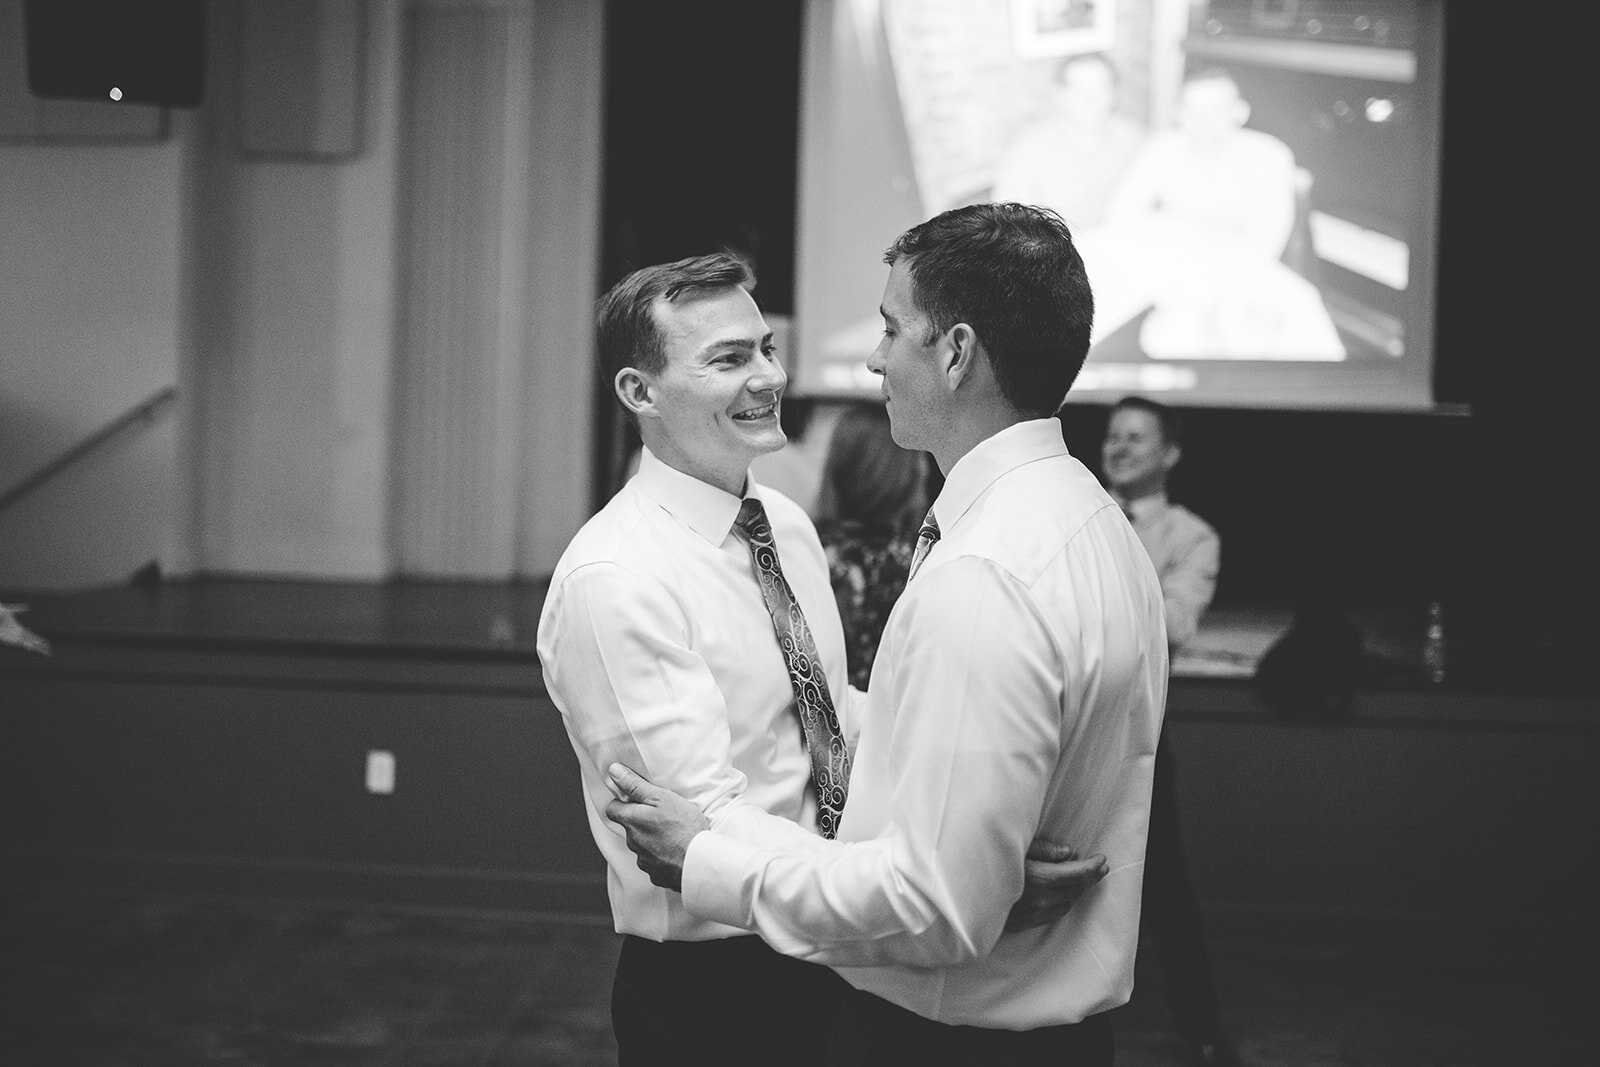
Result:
111,980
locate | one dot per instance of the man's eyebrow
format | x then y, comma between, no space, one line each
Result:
721,344
887,317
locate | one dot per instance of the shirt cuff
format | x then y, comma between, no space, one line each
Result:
713,879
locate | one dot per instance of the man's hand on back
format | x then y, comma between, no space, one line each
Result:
1054,877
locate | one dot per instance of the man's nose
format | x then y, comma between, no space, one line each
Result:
769,376
875,360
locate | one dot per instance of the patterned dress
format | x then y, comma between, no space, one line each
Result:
868,567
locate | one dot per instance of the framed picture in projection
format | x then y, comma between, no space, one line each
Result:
1042,28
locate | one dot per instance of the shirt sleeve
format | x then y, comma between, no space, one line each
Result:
1188,583
740,819
1269,182
849,712
974,742
631,688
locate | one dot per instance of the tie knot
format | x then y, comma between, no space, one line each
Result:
930,527
752,519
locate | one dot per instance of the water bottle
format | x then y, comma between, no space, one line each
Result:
1433,645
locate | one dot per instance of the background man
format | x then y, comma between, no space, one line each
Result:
1143,443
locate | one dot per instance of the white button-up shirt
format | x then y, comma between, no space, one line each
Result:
658,650
1018,691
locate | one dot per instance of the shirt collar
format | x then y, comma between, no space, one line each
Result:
704,508
1017,444
1146,507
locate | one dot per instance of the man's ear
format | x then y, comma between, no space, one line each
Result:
960,352
1170,456
635,392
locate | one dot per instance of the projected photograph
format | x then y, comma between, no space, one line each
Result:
1252,184
1062,27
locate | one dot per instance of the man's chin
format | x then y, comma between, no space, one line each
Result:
766,439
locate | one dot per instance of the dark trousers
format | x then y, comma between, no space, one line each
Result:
1170,922
731,1001
873,1032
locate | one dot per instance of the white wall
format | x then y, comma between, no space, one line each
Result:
294,317
264,290
89,280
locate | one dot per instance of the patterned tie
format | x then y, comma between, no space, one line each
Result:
927,537
830,759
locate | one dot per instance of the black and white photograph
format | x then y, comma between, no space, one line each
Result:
638,533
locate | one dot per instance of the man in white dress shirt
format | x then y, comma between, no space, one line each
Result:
658,650
1018,690
1143,443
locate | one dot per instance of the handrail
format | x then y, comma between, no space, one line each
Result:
144,411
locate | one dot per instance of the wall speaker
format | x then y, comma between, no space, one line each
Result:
116,50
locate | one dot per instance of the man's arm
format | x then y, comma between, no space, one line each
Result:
972,750
661,824
1267,184
1137,193
1189,581
617,663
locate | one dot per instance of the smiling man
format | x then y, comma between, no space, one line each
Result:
690,631
659,650
1143,443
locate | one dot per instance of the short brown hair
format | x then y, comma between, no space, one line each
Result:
627,334
1012,273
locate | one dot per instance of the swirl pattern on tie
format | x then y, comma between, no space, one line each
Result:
830,759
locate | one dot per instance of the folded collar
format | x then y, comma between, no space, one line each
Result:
1014,446
704,508
1145,508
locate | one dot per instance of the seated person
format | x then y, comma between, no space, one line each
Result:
1195,234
